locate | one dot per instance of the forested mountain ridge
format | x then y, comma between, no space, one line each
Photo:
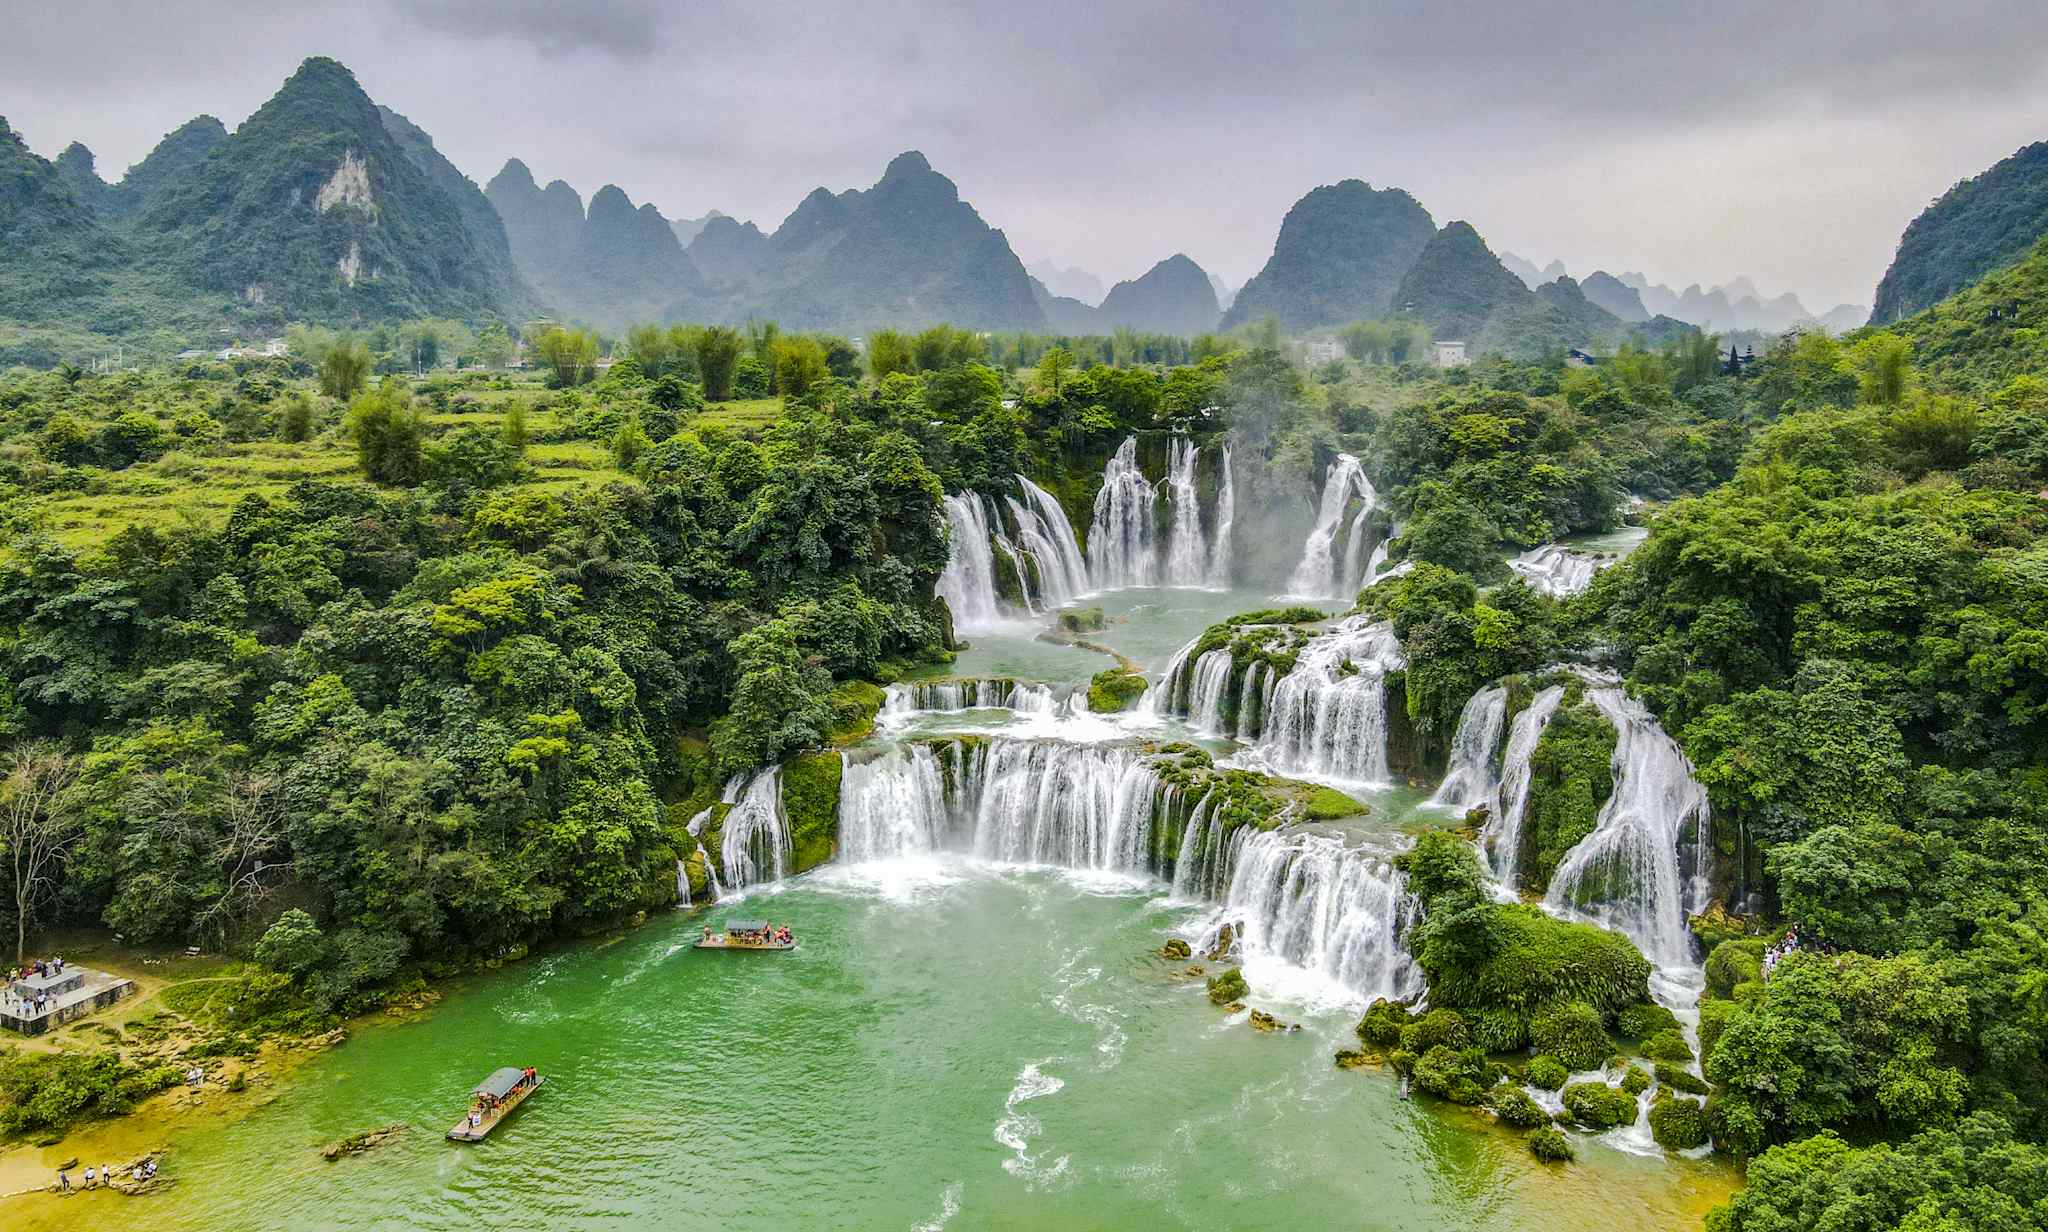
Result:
1977,226
61,252
1456,285
312,209
1340,255
1173,297
905,252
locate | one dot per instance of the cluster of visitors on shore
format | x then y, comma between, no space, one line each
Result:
40,1003
1790,943
105,1174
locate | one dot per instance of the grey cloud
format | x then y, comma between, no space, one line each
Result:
1789,140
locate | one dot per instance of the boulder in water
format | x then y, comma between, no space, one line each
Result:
1176,949
1351,1058
356,1144
1229,987
1225,945
1262,1021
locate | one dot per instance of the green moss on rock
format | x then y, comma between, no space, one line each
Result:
810,803
1570,776
1083,620
1678,1124
1599,1106
1546,1073
1115,690
854,707
1514,1107
1228,987
1679,1078
1550,1145
1573,1033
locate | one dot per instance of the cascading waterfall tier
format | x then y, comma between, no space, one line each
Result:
971,693
1320,575
1322,905
1129,544
1024,545
1628,874
1305,897
1501,838
1557,570
1471,779
1327,719
754,842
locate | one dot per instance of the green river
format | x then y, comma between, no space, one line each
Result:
955,1044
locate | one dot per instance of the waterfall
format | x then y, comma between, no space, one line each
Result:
1123,540
1557,571
1327,719
1047,537
1625,875
968,583
1124,544
1502,837
1226,521
1318,576
754,843
1301,896
1187,549
900,701
682,884
1013,801
1206,694
1254,700
1334,910
1470,780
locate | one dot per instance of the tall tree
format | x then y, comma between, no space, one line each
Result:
37,827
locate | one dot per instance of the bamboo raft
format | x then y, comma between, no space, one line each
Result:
743,935
493,1100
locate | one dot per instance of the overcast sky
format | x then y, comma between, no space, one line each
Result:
1790,141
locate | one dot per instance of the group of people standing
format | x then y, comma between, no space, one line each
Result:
144,1171
41,1002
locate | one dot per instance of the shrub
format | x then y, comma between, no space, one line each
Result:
1534,960
1572,1033
1461,1076
1083,620
1599,1106
1678,1124
1636,1080
1437,1027
1546,1073
1514,1107
1382,1023
1733,963
1714,1016
1678,1078
1550,1145
49,1091
1499,1030
1402,1062
1667,1046
1644,1019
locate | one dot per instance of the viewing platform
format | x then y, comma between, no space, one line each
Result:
69,994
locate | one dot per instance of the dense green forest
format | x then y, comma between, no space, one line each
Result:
444,673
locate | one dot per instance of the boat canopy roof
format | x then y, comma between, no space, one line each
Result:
745,926
500,1083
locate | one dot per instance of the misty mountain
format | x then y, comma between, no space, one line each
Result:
1340,255
1064,314
1983,223
76,170
688,229
727,250
313,210
612,264
1525,269
1225,293
1173,297
1075,284
907,252
1614,295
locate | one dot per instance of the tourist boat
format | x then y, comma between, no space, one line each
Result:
744,935
493,1100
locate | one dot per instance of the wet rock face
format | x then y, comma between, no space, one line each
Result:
1226,944
1262,1021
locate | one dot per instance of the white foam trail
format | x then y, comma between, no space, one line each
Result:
1017,1128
